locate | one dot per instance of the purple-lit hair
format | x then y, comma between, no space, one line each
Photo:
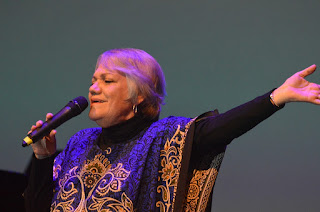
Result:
144,76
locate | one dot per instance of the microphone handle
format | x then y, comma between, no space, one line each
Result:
63,115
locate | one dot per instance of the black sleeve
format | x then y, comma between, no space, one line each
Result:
38,194
221,129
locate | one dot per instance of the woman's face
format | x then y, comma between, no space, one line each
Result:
108,95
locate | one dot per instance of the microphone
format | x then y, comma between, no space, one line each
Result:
72,109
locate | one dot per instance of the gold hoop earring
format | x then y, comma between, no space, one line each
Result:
135,109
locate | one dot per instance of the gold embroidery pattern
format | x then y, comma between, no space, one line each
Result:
98,176
201,186
56,170
125,205
170,157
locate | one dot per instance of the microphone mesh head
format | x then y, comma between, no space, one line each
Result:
82,102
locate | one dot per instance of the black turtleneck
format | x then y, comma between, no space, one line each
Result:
124,131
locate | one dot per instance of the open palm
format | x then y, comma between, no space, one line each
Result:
298,89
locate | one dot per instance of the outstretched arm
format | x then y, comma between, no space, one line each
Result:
220,130
298,89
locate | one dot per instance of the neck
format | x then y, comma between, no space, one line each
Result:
124,131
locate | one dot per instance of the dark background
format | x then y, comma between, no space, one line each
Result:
215,54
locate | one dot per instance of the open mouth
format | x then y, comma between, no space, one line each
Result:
97,101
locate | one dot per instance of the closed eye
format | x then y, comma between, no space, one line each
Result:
93,80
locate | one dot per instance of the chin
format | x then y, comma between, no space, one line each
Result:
99,120
93,116
102,124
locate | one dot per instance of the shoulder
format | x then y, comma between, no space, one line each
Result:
170,123
85,135
80,142
173,120
88,132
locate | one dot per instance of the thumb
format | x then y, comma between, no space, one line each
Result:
52,135
307,71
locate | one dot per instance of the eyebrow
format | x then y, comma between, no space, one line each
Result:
102,76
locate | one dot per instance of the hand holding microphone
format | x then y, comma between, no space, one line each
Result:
47,145
45,131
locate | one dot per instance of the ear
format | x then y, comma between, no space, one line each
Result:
140,99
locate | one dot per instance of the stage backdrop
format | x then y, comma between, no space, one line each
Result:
215,54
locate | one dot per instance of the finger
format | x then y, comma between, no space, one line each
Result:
316,101
49,116
51,136
39,123
33,127
307,71
53,133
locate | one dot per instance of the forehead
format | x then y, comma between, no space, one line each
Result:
103,72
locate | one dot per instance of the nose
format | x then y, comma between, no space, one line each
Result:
94,88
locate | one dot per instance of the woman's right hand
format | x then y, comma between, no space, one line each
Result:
47,145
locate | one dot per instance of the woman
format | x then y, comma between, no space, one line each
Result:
135,162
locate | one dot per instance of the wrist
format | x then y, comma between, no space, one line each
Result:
273,101
40,157
279,96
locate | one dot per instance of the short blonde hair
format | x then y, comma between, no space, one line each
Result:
144,76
